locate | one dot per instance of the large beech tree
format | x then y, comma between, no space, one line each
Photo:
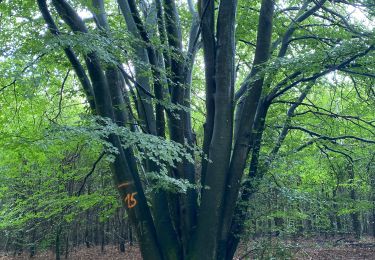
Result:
287,51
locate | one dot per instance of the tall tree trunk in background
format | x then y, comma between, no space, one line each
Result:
357,227
88,229
58,243
335,211
371,172
102,236
33,242
130,234
66,245
96,231
121,229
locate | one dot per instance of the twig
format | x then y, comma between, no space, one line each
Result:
324,137
61,94
22,71
90,172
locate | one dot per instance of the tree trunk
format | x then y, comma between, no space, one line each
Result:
357,227
58,243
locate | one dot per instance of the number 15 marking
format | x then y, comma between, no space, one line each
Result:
130,200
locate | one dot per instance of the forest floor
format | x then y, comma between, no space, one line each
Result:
84,253
298,249
345,248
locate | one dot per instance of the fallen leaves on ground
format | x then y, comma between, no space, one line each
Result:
297,249
83,253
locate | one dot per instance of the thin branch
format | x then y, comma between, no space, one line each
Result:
90,173
275,93
136,84
303,146
348,118
344,20
339,152
247,42
324,137
286,125
61,94
328,113
22,71
365,74
295,23
70,54
200,23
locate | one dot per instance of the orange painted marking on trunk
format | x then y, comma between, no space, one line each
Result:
130,200
125,184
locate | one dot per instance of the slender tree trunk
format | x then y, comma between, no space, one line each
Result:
102,237
130,234
58,243
357,227
66,245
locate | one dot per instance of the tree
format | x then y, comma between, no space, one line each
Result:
205,221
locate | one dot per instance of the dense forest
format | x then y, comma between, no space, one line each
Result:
186,129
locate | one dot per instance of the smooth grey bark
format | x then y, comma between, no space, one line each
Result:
163,36
174,38
355,216
207,15
129,9
144,103
180,126
182,209
209,218
246,111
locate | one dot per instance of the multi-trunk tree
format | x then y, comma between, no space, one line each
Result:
145,85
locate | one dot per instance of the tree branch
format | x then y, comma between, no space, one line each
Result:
324,137
61,94
90,172
72,57
276,92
